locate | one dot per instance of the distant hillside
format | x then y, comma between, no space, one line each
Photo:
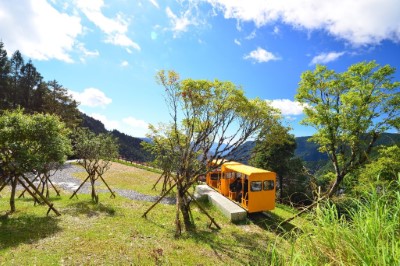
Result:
308,151
129,147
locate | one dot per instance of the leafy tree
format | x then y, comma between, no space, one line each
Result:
16,65
30,80
210,120
95,153
27,143
349,111
4,76
382,172
58,101
274,150
21,85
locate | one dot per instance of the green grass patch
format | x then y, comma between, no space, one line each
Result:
113,232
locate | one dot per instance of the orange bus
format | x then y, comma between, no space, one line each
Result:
252,188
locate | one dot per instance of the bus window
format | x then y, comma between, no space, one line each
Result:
238,175
269,185
256,186
214,176
229,175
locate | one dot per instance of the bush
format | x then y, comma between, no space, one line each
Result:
368,235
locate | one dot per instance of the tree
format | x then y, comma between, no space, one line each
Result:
382,171
274,150
58,101
27,143
4,77
95,153
210,120
349,111
30,80
16,65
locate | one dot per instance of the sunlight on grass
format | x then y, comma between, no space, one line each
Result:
127,177
114,232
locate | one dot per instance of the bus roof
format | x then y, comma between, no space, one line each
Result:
245,169
224,162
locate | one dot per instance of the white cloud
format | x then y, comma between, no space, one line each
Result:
190,16
38,30
86,53
261,56
116,29
251,36
108,124
135,123
276,30
134,127
287,107
154,2
124,63
324,58
359,22
237,42
129,125
179,24
91,97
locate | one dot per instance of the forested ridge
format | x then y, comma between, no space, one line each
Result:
22,86
308,151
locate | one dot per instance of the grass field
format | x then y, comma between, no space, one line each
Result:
114,233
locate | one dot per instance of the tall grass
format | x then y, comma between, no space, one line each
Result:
369,235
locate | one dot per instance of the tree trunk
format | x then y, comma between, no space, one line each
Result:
335,185
13,190
184,206
178,226
95,198
280,177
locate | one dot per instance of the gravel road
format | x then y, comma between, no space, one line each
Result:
64,178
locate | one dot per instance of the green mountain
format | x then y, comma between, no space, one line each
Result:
129,147
308,151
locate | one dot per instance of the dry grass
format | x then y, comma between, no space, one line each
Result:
128,177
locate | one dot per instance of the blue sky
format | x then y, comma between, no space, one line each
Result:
108,52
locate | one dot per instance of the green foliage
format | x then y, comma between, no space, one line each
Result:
368,235
94,153
274,151
92,147
30,141
381,172
349,110
21,85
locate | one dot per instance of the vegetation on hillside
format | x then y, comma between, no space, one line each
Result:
21,85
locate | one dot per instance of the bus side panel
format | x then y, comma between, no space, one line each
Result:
224,189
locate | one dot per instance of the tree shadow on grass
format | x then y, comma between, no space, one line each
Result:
89,209
274,223
26,229
243,248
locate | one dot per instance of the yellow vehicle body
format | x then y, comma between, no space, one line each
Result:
212,178
258,186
